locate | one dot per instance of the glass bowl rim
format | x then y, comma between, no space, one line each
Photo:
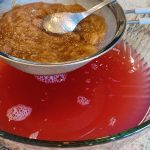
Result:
73,144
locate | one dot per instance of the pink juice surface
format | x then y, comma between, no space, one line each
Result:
107,96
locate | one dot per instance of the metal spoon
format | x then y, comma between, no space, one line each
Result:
66,22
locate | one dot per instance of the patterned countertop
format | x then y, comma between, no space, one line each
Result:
141,143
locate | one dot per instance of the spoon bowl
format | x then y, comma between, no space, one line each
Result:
62,22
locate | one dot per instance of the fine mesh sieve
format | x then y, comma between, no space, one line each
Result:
115,20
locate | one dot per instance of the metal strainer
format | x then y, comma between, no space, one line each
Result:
116,24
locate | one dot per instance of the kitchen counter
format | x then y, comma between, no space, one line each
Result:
141,143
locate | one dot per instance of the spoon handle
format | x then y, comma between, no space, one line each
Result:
99,6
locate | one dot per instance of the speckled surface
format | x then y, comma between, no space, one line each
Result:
141,143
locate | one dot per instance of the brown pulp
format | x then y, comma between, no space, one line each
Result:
22,34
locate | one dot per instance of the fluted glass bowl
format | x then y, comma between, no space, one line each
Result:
137,36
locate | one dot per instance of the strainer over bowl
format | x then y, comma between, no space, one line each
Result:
116,24
135,43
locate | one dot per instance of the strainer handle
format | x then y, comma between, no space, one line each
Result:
140,21
139,11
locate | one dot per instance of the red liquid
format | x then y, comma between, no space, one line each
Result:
109,95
